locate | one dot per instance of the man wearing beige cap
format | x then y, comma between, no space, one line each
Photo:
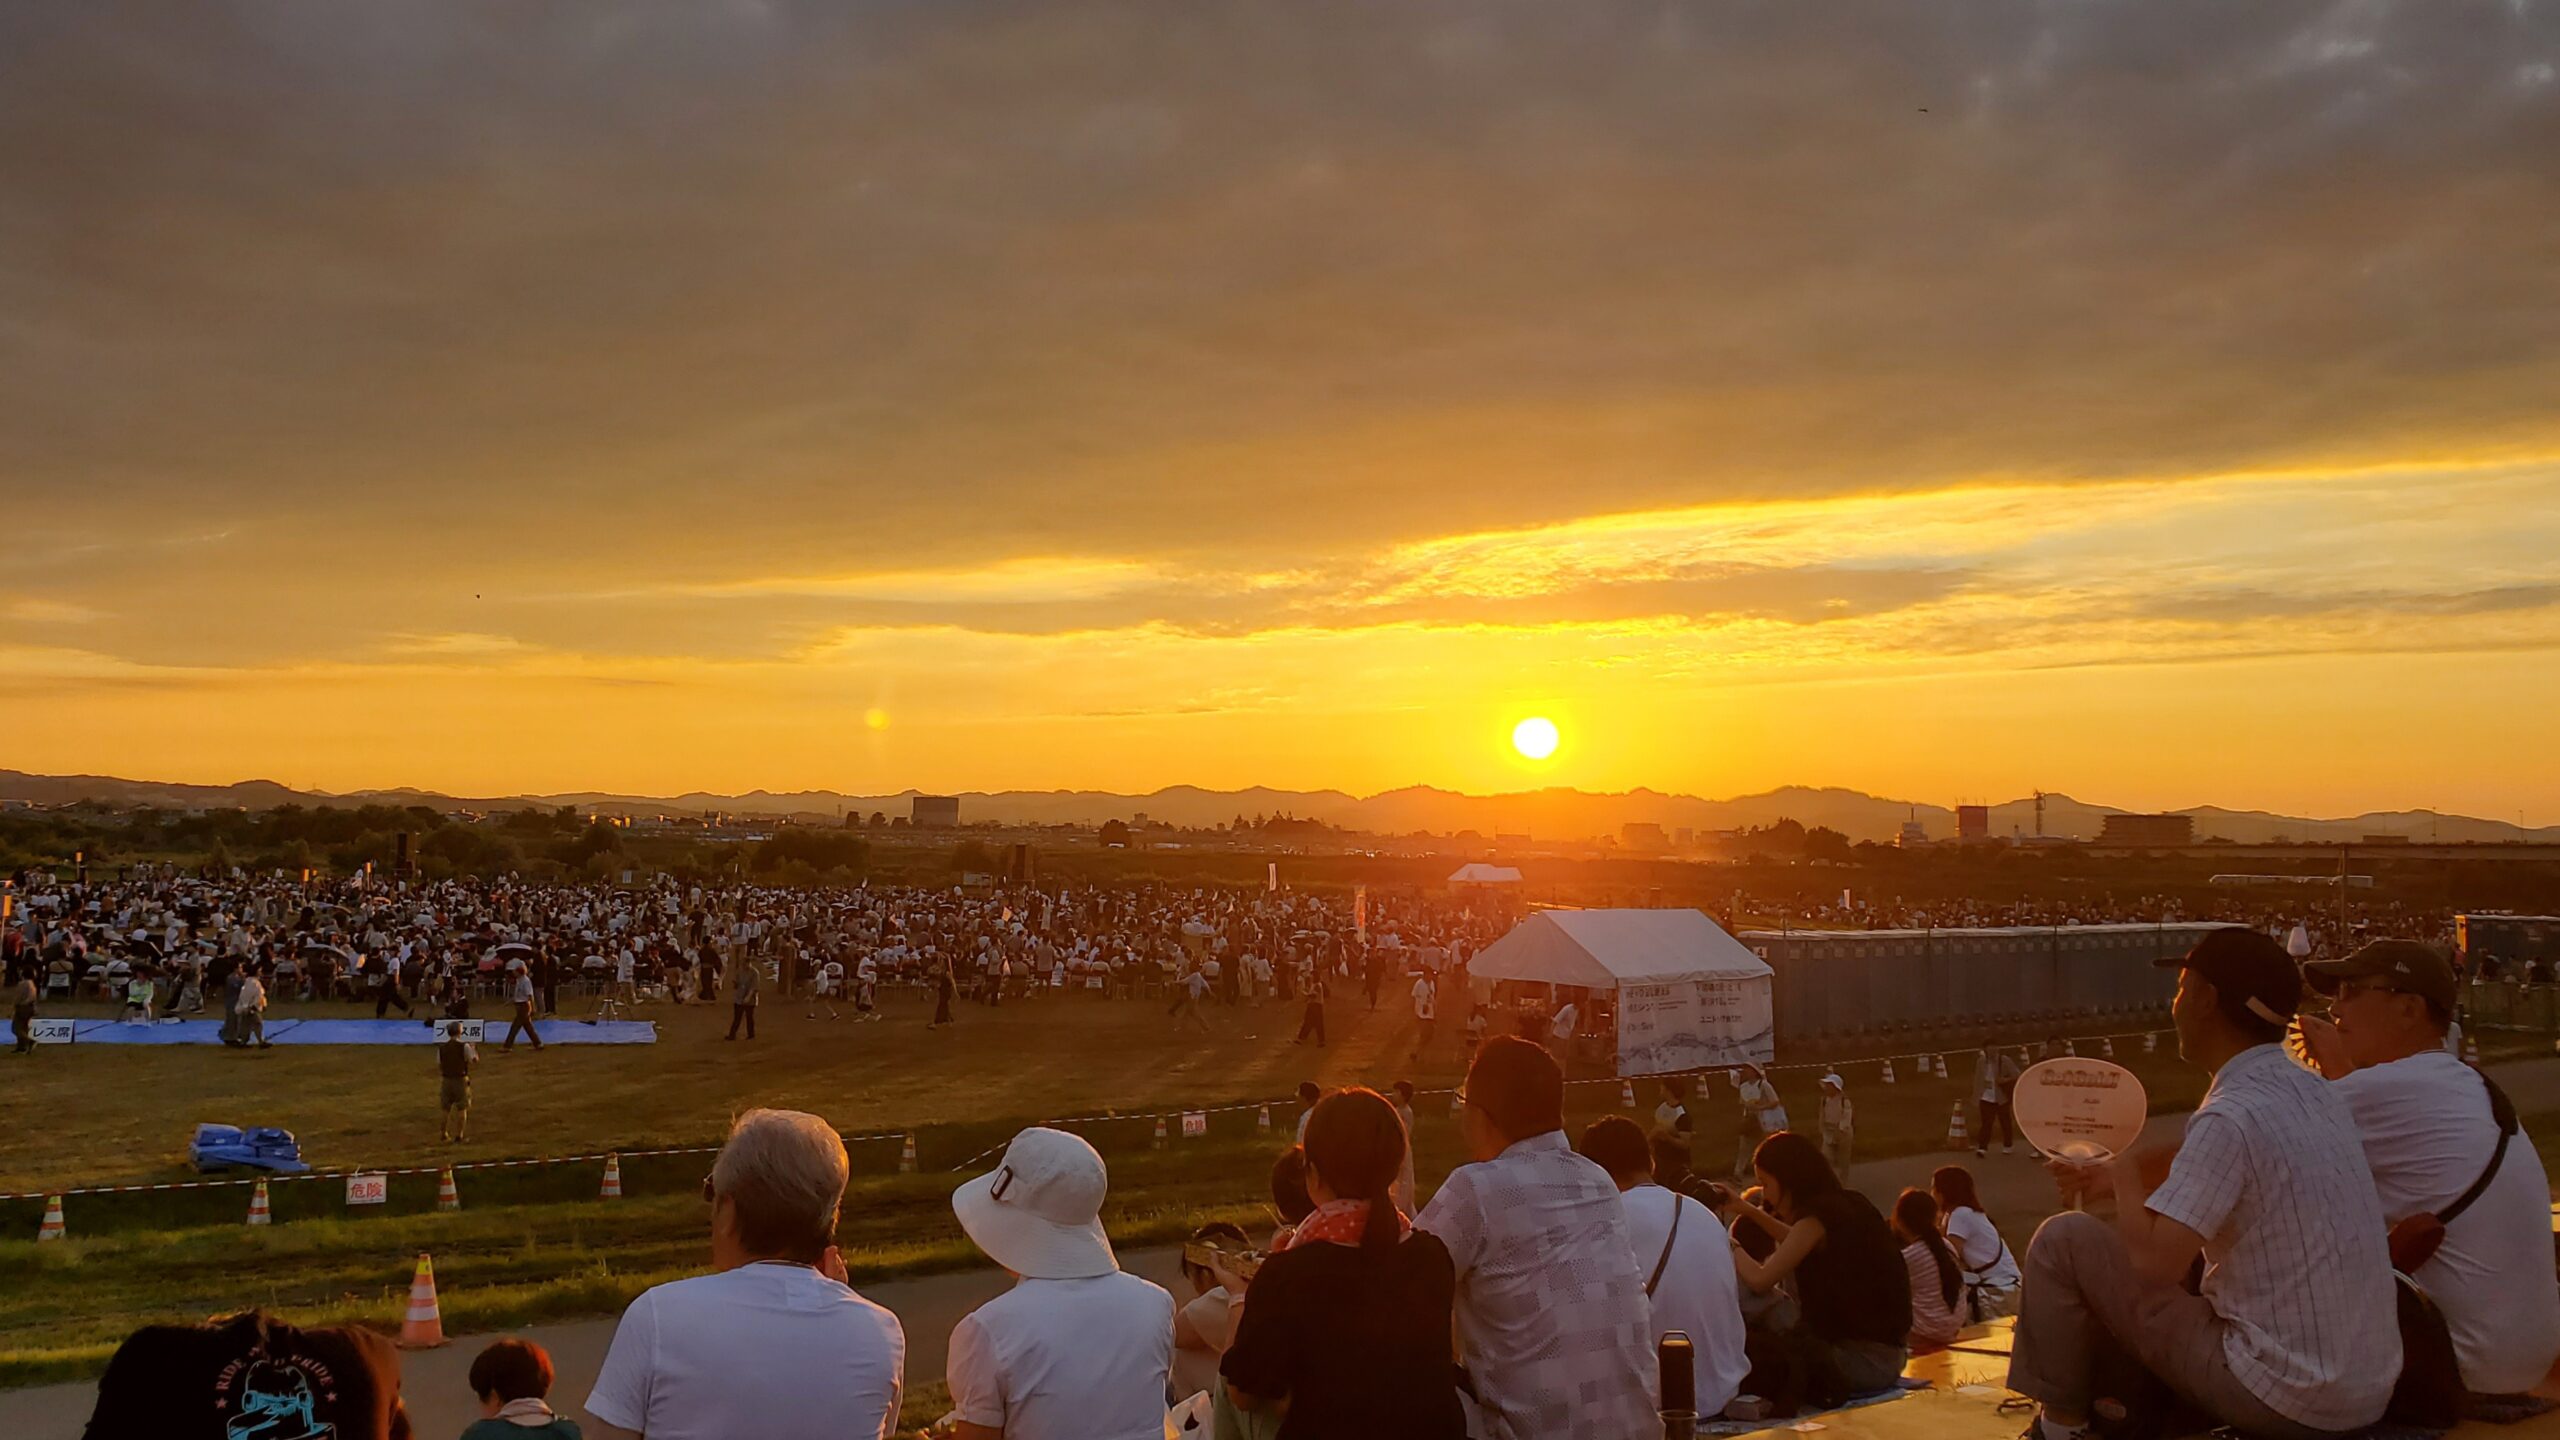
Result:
1078,1349
2443,1143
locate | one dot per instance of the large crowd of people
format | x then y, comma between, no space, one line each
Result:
2351,1226
2243,1275
161,945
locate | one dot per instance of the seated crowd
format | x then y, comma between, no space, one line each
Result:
2244,1278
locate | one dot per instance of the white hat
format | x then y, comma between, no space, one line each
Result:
1039,1213
1832,1079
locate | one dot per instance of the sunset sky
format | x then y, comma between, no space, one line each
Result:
2156,402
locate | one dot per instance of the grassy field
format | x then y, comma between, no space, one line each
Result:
533,1243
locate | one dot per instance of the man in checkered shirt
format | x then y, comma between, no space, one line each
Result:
2294,1333
1553,1325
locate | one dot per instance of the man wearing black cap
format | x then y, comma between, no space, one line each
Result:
2432,1127
2292,1333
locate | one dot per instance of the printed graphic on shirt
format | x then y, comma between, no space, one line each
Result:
275,1398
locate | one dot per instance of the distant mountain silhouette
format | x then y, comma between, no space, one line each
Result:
1551,815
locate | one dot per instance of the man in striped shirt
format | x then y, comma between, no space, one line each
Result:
2292,1333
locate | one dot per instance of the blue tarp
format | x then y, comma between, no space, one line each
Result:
355,1032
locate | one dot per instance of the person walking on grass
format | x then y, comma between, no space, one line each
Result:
520,990
745,994
253,1011
455,1058
945,990
1312,1023
22,1014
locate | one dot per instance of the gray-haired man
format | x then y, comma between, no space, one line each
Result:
774,1343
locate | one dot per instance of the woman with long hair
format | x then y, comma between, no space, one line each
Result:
1851,1286
1347,1331
1990,1267
1937,1281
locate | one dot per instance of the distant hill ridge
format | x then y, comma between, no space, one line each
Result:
1553,815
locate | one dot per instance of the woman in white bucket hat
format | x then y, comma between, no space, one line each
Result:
1077,1349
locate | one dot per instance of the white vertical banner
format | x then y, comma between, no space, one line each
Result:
1273,884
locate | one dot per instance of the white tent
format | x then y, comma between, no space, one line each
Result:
1689,995
1483,874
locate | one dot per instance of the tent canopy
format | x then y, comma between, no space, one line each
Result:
1483,874
1603,949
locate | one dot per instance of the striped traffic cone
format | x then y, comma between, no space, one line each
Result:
1262,1121
1627,1093
1888,1072
2150,1042
907,1153
424,1327
1957,1139
1457,1101
2107,1046
612,1178
52,1227
1938,1066
448,1197
258,1214
1159,1132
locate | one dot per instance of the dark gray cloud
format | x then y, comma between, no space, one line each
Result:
429,300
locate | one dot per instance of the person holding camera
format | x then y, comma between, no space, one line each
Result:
1852,1288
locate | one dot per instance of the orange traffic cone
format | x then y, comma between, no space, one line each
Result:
1159,1132
2107,1046
52,1228
2150,1042
612,1178
258,1204
907,1154
1888,1072
1956,1137
424,1327
1627,1093
448,1197
1262,1121
2069,1049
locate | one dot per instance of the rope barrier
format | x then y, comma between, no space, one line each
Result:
598,1156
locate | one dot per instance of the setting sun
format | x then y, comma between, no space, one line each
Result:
1534,737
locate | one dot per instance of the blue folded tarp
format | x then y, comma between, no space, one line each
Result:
355,1032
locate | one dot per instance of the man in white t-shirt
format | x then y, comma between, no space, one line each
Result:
2429,1134
1426,1010
1078,1349
775,1344
1684,1255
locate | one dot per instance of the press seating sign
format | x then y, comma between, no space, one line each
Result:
51,1032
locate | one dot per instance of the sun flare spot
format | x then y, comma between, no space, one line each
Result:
1535,737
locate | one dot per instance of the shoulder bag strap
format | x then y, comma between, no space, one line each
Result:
1987,1266
2503,1111
1668,1241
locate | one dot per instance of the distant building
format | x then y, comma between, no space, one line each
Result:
2147,831
1973,824
1643,835
1502,839
1913,834
1685,836
936,812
